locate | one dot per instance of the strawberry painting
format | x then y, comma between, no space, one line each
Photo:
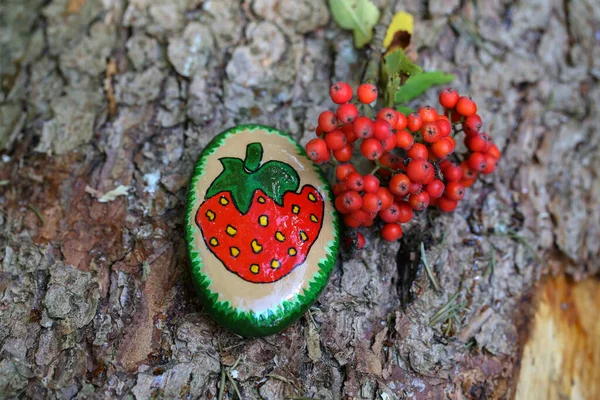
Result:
257,220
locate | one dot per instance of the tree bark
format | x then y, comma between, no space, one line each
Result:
104,109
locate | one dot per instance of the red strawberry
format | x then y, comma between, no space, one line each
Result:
254,221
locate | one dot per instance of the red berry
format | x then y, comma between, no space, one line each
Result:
360,215
371,148
430,176
367,93
414,122
415,188
390,214
354,181
388,114
451,140
446,205
490,164
335,140
477,162
350,222
452,173
430,132
399,184
317,150
386,197
405,212
465,106
339,188
381,129
456,117
371,203
370,183
391,232
348,130
472,124
419,201
344,154
448,98
454,191
389,143
360,241
347,113
468,173
404,139
479,142
368,223
428,113
401,121
327,121
343,170
319,131
494,152
442,148
363,127
443,126
340,92
467,182
417,151
418,170
348,202
435,188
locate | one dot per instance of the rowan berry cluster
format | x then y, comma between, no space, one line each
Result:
413,157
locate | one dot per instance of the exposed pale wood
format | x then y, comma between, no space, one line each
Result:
561,359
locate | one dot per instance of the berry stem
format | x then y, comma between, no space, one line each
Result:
377,50
375,170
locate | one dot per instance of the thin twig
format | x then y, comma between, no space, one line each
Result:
427,268
237,391
371,74
222,384
37,213
491,268
283,379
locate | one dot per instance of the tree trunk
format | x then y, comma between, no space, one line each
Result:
104,109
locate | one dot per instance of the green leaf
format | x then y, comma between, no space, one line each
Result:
242,178
418,84
358,15
396,63
405,110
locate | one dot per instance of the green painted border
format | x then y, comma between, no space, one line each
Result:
243,322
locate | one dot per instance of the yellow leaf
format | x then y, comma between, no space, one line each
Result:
402,21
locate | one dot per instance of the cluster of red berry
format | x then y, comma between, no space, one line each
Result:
413,157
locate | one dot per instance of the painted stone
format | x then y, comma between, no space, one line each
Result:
261,229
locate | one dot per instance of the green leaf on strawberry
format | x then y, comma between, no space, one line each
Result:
242,178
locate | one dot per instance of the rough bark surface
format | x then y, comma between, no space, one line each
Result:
105,107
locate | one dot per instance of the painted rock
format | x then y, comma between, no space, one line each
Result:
261,229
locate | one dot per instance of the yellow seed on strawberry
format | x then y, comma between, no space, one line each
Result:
312,197
263,220
275,264
295,209
214,242
303,236
234,251
223,200
231,231
254,268
314,218
210,215
256,247
279,236
292,251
